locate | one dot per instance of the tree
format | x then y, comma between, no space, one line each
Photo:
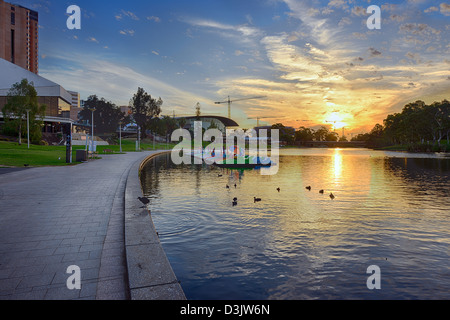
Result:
331,136
439,116
361,137
445,106
166,125
182,122
145,109
286,133
106,116
376,136
321,133
304,134
392,128
22,98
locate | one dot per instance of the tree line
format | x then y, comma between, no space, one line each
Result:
145,112
304,134
418,127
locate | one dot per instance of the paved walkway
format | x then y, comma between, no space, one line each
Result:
52,218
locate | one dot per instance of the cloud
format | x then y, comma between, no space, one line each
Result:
319,28
414,56
360,36
128,14
397,18
244,29
431,9
127,32
290,59
359,11
92,39
374,52
445,9
344,21
243,33
338,4
115,81
154,19
418,31
389,7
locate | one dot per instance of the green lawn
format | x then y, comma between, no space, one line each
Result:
13,155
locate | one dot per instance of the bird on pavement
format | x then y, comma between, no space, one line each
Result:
278,189
309,188
332,196
321,191
144,200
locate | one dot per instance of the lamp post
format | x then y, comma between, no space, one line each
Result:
28,128
92,131
120,136
138,142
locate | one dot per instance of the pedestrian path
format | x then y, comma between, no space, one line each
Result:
55,217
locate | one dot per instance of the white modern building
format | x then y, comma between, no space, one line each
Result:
57,99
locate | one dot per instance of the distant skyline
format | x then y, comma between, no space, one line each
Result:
316,62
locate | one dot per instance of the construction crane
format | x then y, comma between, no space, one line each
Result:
259,118
229,101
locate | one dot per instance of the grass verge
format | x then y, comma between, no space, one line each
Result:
14,155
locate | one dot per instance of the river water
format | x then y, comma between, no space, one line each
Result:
391,209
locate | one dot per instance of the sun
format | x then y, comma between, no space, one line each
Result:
336,120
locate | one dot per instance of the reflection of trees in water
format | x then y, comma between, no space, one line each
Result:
427,175
150,180
148,177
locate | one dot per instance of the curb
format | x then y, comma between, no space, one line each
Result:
150,275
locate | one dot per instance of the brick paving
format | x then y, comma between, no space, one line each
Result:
55,217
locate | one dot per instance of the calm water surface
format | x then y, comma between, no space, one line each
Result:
391,210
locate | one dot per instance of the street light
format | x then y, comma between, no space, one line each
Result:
138,142
92,131
28,128
120,135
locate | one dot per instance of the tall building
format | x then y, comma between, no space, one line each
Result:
75,106
19,35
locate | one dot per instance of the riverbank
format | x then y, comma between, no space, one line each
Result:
150,275
418,148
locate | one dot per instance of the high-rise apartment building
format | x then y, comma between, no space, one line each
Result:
19,34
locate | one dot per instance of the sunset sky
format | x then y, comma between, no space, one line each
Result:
313,60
